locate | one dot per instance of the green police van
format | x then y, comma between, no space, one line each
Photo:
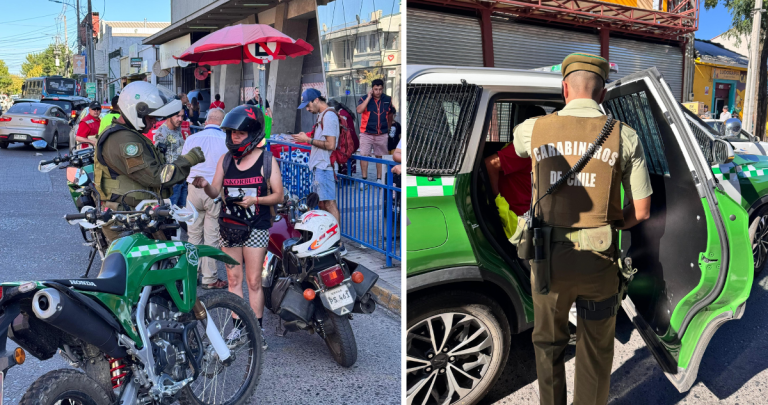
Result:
468,291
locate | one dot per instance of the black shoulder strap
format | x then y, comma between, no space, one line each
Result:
227,161
267,164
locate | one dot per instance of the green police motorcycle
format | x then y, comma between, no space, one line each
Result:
79,167
138,331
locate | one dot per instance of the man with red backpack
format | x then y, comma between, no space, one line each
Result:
323,141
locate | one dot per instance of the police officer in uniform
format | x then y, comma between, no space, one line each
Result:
582,215
89,125
127,160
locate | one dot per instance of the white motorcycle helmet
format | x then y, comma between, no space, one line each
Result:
320,232
142,99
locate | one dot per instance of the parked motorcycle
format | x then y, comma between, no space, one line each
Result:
307,282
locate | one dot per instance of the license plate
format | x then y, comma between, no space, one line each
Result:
21,138
339,297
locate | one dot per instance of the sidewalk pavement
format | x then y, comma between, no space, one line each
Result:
386,291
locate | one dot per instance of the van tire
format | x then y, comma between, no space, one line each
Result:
486,311
757,227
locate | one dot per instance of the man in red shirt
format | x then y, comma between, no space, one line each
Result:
510,175
89,126
218,103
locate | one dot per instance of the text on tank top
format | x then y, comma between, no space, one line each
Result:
251,183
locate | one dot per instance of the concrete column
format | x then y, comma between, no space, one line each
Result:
230,87
284,82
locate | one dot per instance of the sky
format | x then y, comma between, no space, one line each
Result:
713,22
339,12
30,25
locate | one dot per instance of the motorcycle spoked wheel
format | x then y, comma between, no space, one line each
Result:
236,383
338,336
65,387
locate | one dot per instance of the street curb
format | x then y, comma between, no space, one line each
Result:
383,295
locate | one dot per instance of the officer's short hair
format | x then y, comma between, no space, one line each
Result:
377,82
584,81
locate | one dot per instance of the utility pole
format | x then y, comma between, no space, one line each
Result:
89,33
753,70
77,10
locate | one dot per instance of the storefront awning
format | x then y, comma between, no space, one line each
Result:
210,18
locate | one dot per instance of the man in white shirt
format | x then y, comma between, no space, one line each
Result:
212,140
323,142
725,115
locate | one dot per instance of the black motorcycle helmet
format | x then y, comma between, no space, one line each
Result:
246,118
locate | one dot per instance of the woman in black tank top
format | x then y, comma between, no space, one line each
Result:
245,174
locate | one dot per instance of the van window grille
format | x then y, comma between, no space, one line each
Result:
704,140
440,118
635,111
500,128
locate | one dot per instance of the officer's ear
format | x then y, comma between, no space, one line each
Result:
602,96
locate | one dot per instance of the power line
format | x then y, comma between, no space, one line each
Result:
27,19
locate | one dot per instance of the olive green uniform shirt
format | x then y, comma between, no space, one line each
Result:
635,179
126,153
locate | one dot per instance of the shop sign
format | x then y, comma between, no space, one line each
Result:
136,62
169,49
90,89
727,74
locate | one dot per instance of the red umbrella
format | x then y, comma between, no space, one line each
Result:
256,43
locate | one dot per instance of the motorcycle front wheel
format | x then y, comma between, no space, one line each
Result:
338,336
233,384
65,386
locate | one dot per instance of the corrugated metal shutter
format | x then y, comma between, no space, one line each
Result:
443,39
524,46
634,56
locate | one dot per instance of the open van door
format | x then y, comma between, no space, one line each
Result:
693,256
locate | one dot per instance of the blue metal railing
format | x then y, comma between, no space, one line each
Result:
369,211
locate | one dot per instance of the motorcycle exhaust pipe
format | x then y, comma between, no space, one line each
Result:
62,312
365,305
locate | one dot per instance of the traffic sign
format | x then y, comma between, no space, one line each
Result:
90,89
79,65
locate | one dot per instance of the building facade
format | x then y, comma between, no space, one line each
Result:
118,42
320,23
720,78
633,34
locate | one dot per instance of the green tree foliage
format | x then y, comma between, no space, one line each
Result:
741,27
46,59
5,78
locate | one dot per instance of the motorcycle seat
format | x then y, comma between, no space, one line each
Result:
111,278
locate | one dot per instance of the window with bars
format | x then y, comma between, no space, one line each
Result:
635,111
501,125
440,118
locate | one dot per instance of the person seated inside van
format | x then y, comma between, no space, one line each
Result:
510,178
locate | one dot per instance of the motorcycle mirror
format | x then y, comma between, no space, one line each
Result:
166,173
313,199
41,144
45,168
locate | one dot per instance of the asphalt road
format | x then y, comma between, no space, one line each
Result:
734,369
36,243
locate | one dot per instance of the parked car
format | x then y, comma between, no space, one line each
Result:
29,122
467,289
204,98
72,105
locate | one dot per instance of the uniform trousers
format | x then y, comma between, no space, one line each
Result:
588,275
